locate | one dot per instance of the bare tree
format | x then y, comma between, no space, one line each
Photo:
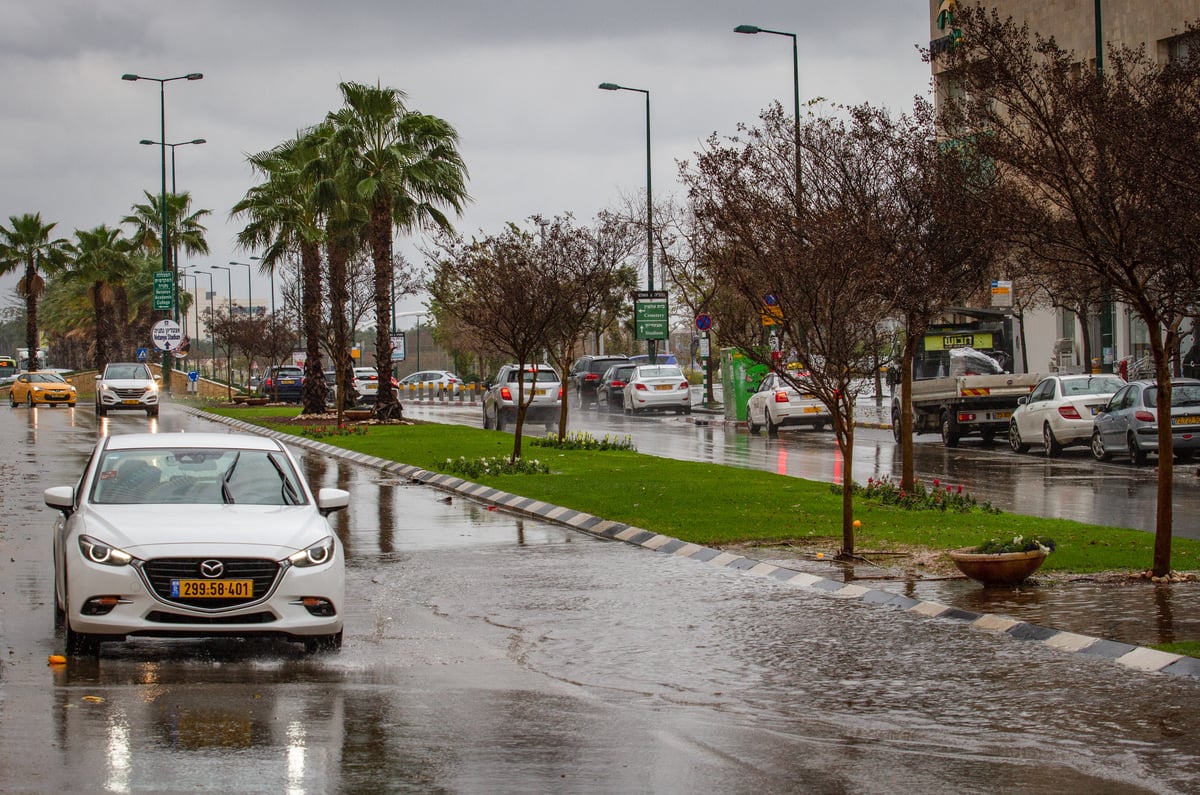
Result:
1107,164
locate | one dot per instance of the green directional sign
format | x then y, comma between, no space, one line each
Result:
164,292
651,321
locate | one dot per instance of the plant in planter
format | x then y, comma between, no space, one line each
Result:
1003,561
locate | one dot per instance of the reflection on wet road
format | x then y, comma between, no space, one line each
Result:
486,653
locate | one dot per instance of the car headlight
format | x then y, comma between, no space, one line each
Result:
98,552
314,555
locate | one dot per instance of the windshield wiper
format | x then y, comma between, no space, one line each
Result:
290,497
226,494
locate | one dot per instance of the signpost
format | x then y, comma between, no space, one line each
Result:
398,352
167,335
651,315
164,291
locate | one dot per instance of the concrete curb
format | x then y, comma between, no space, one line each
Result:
1138,658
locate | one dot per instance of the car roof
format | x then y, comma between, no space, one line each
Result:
137,441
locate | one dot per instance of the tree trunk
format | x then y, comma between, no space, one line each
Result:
338,298
1164,517
907,470
31,316
314,374
846,444
386,404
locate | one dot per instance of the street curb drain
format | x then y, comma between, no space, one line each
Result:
1138,658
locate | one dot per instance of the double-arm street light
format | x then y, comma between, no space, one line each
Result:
752,29
212,341
650,344
164,242
249,289
229,358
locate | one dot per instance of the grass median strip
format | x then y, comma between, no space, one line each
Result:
715,505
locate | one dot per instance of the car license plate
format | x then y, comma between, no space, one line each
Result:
372,387
130,402
812,409
1190,419
539,392
664,387
212,589
1003,415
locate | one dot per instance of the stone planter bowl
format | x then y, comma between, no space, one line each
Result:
1001,568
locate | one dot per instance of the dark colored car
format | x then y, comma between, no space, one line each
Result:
283,384
583,379
611,392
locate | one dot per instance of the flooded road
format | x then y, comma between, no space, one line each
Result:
487,653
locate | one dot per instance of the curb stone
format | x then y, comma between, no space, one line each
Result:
1138,658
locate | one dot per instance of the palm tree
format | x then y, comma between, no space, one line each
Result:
283,218
102,263
405,167
26,243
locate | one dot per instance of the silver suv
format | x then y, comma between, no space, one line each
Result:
500,398
127,386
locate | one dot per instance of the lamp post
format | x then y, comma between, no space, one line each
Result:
196,309
274,338
249,289
163,240
752,29
212,342
650,344
229,346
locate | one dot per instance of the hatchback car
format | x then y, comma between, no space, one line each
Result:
777,404
1059,411
41,389
1128,423
538,384
584,377
284,384
196,535
126,386
657,386
611,392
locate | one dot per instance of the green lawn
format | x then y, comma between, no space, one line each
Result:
712,504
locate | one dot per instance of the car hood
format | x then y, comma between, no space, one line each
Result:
146,531
126,383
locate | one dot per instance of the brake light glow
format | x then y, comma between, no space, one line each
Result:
641,387
780,396
505,393
1143,416
591,377
1069,413
965,417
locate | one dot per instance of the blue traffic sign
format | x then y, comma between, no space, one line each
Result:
703,322
142,354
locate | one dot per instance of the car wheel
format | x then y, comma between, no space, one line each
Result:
323,643
80,644
499,419
772,428
1098,451
152,412
100,410
1185,455
1053,448
1137,456
12,400
688,411
29,400
1014,438
949,436
896,423
818,426
751,425
70,405
487,421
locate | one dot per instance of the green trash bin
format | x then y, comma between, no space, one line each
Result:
740,377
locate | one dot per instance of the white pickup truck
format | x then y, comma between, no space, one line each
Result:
976,397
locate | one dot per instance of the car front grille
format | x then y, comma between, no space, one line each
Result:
159,617
130,393
159,573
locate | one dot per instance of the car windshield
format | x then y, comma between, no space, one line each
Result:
1181,395
46,378
1100,385
599,365
621,373
132,371
181,476
665,371
542,376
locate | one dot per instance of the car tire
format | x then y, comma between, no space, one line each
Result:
29,400
79,644
1098,451
499,419
12,401
152,412
772,428
1052,447
323,643
71,405
687,411
487,422
100,410
1137,456
896,423
752,426
1014,438
818,426
949,437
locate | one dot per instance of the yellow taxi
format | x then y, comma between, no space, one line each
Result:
41,389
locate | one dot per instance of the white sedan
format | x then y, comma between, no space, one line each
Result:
1059,411
778,404
196,535
658,386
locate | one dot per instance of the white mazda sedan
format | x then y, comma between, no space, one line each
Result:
196,535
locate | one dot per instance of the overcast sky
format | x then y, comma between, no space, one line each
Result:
517,78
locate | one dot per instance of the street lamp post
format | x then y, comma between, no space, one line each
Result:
212,341
196,309
163,240
752,29
229,348
650,344
249,289
274,338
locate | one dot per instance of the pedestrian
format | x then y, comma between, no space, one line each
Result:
1123,369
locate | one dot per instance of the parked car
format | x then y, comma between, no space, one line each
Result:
1128,423
502,393
661,357
366,382
777,404
583,378
1059,411
41,389
657,386
127,386
444,381
284,384
611,392
196,535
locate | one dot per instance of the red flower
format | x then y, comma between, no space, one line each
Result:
936,483
960,488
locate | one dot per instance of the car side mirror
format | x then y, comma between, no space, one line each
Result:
331,500
61,498
1021,401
